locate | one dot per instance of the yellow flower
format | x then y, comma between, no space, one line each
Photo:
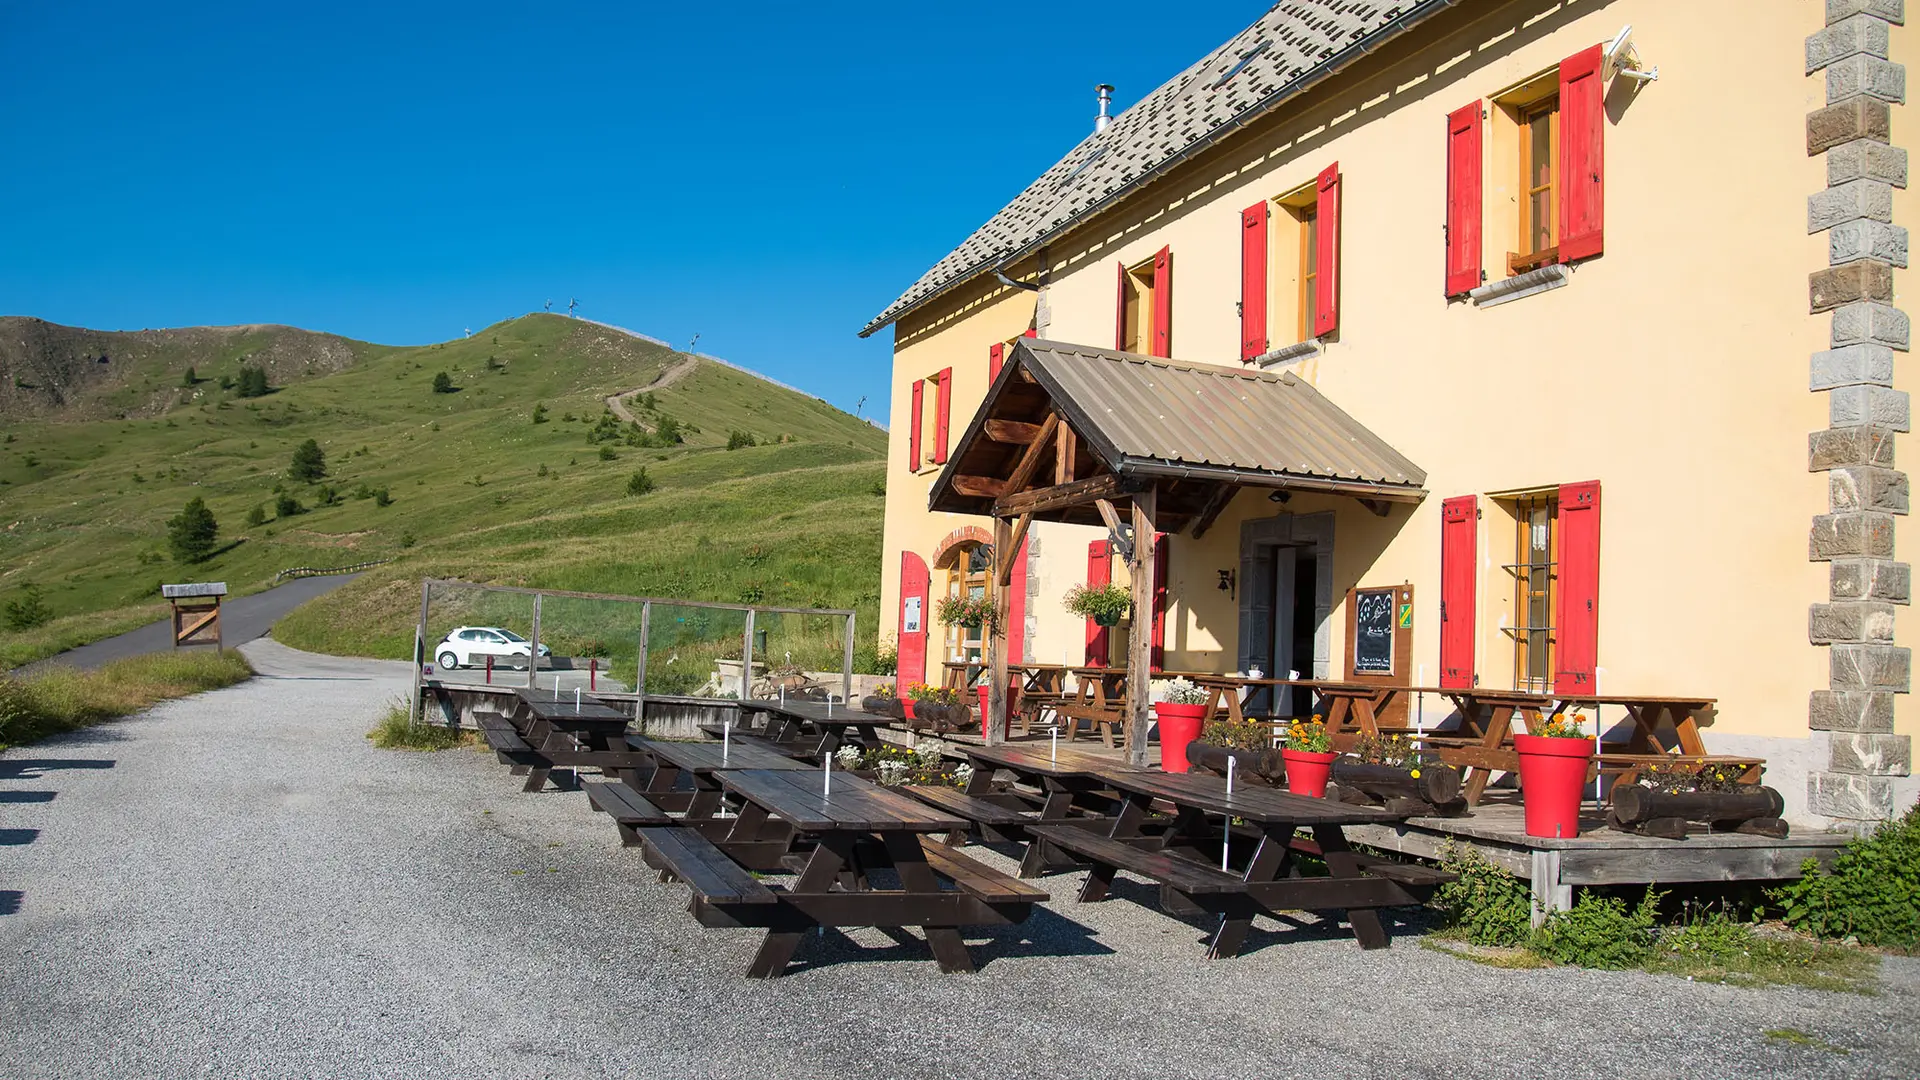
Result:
1415,773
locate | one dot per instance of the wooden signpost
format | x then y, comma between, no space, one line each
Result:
196,613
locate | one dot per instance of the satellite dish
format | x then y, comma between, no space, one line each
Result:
1621,59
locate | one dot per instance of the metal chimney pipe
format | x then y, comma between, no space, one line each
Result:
1106,101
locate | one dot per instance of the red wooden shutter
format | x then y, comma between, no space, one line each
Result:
1160,547
1162,303
1031,332
1017,607
1577,613
1120,309
1459,528
943,409
1253,281
1099,572
1463,200
1582,124
996,356
913,425
1326,256
912,645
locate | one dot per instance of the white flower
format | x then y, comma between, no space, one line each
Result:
849,757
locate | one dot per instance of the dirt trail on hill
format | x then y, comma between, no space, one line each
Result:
617,403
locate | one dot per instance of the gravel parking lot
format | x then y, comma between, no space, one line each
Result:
237,884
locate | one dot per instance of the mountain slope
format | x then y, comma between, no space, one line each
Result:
59,372
477,488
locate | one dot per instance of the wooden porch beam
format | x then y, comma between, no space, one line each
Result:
1076,493
1140,638
979,487
1064,449
1013,548
1029,464
1016,432
1217,501
996,634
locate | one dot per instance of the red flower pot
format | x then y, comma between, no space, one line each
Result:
1307,771
1553,776
906,708
1179,725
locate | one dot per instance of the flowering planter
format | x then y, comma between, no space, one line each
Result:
1307,771
882,706
1179,726
1553,776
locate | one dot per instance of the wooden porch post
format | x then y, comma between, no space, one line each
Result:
1140,635
998,592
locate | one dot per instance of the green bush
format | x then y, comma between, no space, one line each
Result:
1872,892
286,506
382,497
639,483
27,610
1600,932
738,439
309,462
1486,904
396,731
442,383
607,454
256,516
192,532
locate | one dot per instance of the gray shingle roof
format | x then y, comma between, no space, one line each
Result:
1166,412
1284,51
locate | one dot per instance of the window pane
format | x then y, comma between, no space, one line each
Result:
1540,138
1540,236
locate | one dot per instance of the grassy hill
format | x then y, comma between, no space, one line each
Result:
476,489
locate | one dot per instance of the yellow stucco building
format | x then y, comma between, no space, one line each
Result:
1630,343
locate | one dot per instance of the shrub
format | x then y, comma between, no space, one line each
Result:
189,378
309,462
1872,891
286,506
27,610
326,496
1245,735
396,731
876,659
382,497
539,413
1486,904
407,540
607,454
639,483
226,382
192,532
739,439
256,516
253,382
1600,932
442,383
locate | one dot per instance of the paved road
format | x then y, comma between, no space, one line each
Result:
241,620
239,885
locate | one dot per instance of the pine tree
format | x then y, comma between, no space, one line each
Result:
191,534
188,379
442,383
309,462
253,381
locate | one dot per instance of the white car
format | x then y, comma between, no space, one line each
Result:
469,646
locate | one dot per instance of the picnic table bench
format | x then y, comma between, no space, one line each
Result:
1191,879
629,809
1070,788
763,846
940,889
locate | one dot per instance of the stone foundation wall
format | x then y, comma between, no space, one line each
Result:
1856,758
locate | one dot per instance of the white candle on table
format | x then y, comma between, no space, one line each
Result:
826,775
1055,754
1226,821
576,699
726,740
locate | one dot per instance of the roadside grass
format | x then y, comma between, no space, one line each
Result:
1796,1037
24,647
475,487
395,732
1711,951
65,699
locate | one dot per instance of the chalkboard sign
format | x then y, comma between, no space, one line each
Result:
1373,632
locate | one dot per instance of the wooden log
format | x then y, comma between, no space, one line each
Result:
1261,766
1633,805
1668,828
1763,826
1436,785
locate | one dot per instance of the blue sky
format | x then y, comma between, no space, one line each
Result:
768,177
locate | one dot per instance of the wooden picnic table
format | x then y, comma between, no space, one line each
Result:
1067,779
572,733
1186,860
796,717
832,889
700,761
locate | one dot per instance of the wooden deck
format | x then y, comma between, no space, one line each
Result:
1599,855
